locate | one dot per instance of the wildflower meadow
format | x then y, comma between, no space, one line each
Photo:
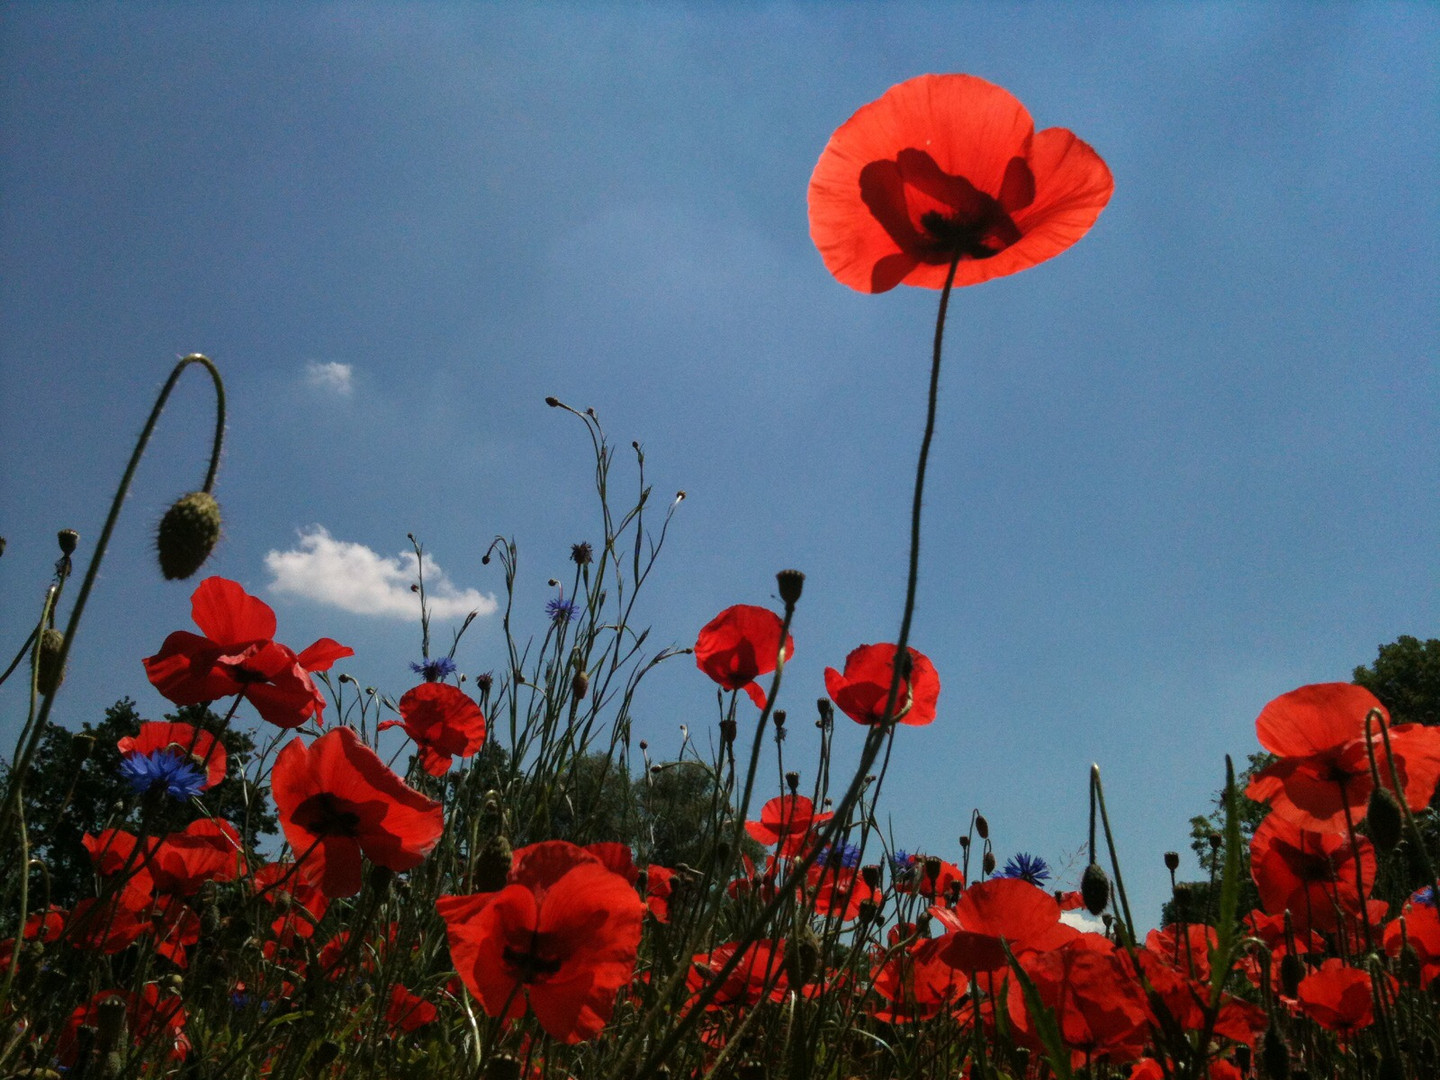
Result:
477,859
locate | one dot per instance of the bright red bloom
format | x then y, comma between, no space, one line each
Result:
944,167
337,799
407,1012
862,691
206,850
1319,733
200,746
916,877
839,890
238,655
562,934
659,889
786,820
759,974
1418,927
740,644
1311,874
1338,997
1099,1005
1022,915
443,721
916,984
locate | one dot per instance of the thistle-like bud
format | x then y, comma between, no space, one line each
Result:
1172,861
187,534
582,554
67,539
779,718
492,868
1095,889
48,672
792,583
484,682
1292,970
1385,819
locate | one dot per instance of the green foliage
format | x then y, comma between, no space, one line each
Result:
75,787
1406,679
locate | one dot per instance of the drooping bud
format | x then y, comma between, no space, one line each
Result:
48,672
792,583
1386,821
492,868
1095,889
187,534
987,864
870,874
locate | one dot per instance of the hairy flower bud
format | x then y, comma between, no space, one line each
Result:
49,674
1385,819
987,864
1095,889
1292,970
187,534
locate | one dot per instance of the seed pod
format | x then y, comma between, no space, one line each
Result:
792,583
187,534
48,672
67,539
987,864
1385,819
1095,889
1172,861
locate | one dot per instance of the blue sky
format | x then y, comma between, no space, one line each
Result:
1185,467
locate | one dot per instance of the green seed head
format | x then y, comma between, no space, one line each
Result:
187,534
48,672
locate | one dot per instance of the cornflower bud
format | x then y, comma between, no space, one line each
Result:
187,534
580,685
582,554
1292,970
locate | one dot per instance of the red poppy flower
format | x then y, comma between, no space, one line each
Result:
786,820
862,691
915,984
1338,997
838,890
407,1012
562,934
238,656
200,746
1100,1007
1418,927
443,721
1310,874
337,799
1022,915
760,974
946,167
740,644
1324,770
206,850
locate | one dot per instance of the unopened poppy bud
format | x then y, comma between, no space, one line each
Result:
982,827
187,534
792,781
870,874
868,910
553,402
1172,861
1292,970
580,685
49,673
987,864
727,731
492,868
1385,819
68,539
932,867
792,583
1095,889
644,746
110,1023
1274,1055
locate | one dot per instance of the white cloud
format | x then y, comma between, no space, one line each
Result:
353,578
332,376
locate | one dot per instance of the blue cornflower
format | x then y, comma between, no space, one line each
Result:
901,862
169,770
846,855
1424,896
434,669
561,611
1026,867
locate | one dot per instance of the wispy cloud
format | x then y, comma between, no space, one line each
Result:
354,578
331,376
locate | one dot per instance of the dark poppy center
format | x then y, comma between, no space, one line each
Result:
325,815
971,236
530,966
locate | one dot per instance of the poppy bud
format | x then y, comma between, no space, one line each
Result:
1292,970
553,402
580,685
792,781
1274,1055
982,827
868,910
727,732
1095,889
48,672
644,746
110,1023
1172,861
2,545
492,868
870,875
792,583
802,955
68,539
1385,819
987,864
964,841
187,534
582,554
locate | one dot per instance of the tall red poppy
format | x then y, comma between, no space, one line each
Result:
562,934
946,167
444,722
739,645
863,690
1339,997
788,821
238,655
337,799
1310,874
200,746
1022,916
1318,732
